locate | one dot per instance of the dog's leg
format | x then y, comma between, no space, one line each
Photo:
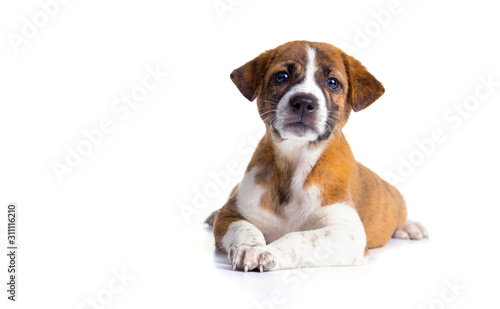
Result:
240,239
411,230
245,245
335,236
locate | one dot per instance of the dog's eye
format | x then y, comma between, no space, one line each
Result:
332,83
281,77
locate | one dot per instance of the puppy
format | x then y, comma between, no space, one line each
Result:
304,201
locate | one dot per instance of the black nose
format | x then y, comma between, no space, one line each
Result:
303,104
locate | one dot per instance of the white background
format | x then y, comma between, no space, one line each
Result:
125,206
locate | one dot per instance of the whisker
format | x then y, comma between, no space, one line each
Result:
270,111
270,120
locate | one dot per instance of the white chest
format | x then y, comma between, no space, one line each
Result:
296,212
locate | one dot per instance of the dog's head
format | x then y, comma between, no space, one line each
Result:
305,90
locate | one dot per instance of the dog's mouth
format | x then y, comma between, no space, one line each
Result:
299,124
299,128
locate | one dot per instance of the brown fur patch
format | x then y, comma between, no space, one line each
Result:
380,206
340,179
274,176
226,215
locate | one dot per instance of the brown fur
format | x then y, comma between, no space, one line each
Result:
338,176
225,216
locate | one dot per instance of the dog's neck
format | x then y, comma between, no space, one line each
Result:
297,154
286,158
304,159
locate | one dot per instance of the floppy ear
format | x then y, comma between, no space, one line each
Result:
364,88
249,77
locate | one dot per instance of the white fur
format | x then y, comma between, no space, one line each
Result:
248,203
308,85
303,200
242,232
333,236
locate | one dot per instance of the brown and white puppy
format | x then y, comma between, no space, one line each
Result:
304,201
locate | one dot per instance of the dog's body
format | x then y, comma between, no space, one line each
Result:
304,200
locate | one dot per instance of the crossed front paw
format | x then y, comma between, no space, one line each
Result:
251,256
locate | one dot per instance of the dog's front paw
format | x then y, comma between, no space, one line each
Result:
248,257
411,230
